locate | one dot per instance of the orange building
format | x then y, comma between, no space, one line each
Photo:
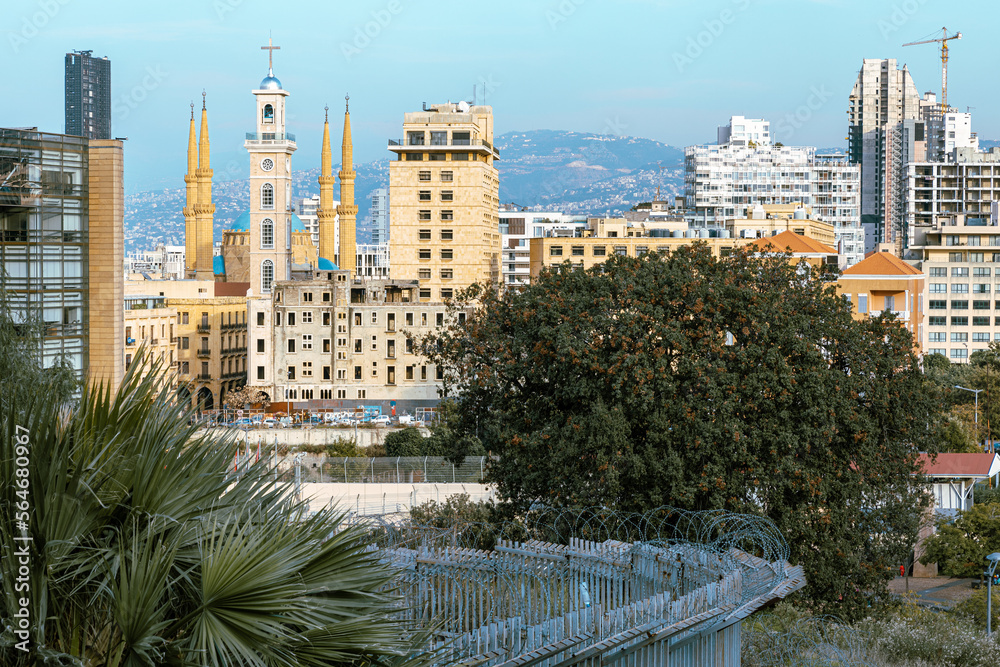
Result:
803,248
882,282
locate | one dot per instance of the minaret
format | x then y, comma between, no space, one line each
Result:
347,210
204,209
190,221
326,214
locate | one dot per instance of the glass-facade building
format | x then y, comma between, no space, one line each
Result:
44,205
88,95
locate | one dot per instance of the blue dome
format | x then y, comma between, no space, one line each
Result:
242,223
326,265
219,265
270,82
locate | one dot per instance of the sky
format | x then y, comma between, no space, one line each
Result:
661,69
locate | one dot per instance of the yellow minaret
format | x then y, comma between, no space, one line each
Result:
326,214
347,210
204,209
190,220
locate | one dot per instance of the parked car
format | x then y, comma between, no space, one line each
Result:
285,422
240,423
407,419
270,422
382,420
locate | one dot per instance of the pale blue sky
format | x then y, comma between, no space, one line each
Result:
666,70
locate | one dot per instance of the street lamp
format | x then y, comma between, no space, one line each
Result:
976,392
994,558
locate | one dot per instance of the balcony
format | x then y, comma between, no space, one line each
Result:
204,327
236,375
204,352
204,377
154,341
270,137
900,314
173,340
234,350
461,145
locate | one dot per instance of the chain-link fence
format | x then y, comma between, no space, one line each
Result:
391,470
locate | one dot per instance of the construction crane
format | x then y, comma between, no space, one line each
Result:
944,39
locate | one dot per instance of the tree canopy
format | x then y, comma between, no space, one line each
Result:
740,382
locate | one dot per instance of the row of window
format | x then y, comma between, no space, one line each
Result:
960,271
979,304
446,253
962,321
305,371
960,353
973,257
959,288
446,215
961,337
446,235
224,318
446,195
440,157
971,240
446,176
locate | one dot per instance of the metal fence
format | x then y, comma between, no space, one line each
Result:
398,470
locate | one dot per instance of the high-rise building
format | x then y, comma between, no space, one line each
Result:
380,215
88,95
883,97
62,245
725,182
443,200
745,131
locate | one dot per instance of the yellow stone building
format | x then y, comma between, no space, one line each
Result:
444,199
150,326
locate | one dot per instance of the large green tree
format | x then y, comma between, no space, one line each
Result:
741,383
126,540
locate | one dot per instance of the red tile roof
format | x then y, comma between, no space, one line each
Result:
882,264
960,465
797,243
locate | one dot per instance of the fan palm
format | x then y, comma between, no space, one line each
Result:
146,550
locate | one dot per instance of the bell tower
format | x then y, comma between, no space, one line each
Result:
270,148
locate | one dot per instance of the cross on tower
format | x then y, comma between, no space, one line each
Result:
270,53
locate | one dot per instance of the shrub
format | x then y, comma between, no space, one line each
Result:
974,608
406,442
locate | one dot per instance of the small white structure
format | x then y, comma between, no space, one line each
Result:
954,475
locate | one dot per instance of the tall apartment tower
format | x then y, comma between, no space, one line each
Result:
270,149
444,199
883,97
380,215
88,95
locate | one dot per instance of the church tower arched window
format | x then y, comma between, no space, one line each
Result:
268,113
267,233
267,196
266,275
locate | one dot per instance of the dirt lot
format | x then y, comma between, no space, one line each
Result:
945,591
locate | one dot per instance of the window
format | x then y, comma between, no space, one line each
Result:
447,293
938,288
960,305
600,251
439,372
424,235
184,318
937,321
423,318
981,337
291,372
307,369
423,373
267,196
439,319
307,341
425,176
977,257
937,350
959,337
260,372
460,138
960,288
357,345
960,272
980,305
423,215
307,317
981,321
185,343
447,215
446,253
409,319
446,235
374,342
357,319
447,274
959,321
981,288
952,239
267,233
374,369
959,353
277,319
414,138
357,372
326,344
326,297
341,374
409,373
390,348
424,274
260,345
621,250
937,337
326,319
939,272
955,257
862,303
266,276
447,195
409,346
424,195
425,294
447,176
291,344
577,251
424,253
937,304
307,297
555,251
260,319
268,113
185,368
291,319
981,271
